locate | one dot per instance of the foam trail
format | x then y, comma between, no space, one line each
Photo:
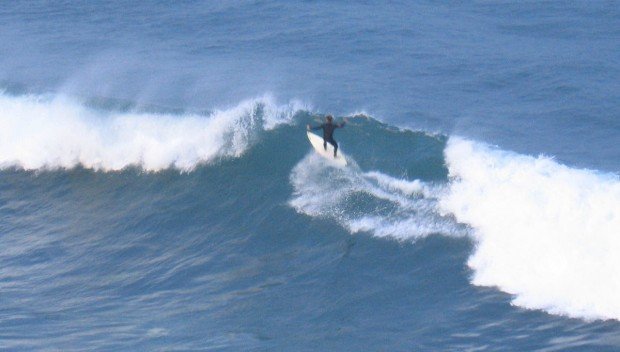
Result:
47,132
371,202
546,233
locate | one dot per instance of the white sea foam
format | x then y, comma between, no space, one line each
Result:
46,132
400,185
546,233
372,202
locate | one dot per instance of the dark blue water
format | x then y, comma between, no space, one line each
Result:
157,190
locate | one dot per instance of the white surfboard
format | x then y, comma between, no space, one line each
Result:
317,144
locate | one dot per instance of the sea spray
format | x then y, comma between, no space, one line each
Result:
371,202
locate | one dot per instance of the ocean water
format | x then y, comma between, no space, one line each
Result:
158,193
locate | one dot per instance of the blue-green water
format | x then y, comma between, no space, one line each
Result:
158,192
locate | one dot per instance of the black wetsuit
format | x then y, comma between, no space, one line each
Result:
328,134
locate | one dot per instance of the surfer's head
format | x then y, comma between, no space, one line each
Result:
329,118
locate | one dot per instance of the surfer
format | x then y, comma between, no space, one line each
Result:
328,131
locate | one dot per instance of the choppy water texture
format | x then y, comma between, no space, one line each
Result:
157,191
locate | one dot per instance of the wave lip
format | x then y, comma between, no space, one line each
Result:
546,233
49,132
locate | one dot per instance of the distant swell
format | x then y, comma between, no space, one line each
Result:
546,233
41,132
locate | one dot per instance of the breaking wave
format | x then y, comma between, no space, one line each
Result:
546,233
49,132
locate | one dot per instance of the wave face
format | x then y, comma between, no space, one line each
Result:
121,228
546,233
47,132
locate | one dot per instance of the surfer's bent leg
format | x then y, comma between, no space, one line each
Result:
324,144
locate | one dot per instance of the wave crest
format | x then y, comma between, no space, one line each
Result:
49,132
